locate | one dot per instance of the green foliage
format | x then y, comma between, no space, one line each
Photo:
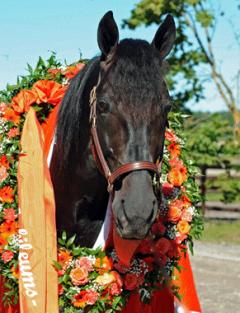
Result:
227,186
183,79
176,120
77,251
34,74
40,71
210,140
204,18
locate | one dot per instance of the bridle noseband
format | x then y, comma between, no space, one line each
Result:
100,159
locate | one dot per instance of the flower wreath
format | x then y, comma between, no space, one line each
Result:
93,280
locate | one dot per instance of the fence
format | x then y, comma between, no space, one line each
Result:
211,206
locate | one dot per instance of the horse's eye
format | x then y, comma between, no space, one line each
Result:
103,106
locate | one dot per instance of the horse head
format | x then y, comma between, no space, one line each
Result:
132,103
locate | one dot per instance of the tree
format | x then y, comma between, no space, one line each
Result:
191,50
215,149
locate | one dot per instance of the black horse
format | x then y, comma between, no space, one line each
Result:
132,103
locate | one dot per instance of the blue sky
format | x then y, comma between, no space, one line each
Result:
29,29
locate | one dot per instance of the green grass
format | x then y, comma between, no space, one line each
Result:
222,232
215,196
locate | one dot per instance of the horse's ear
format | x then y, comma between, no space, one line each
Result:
108,34
165,36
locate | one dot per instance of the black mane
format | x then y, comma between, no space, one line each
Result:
69,127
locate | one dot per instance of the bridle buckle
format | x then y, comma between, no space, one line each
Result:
110,184
93,100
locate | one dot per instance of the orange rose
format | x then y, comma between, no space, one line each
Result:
11,116
73,70
108,278
174,150
103,264
183,227
4,161
105,279
7,194
186,201
48,91
23,100
64,258
174,211
177,176
79,276
175,162
8,229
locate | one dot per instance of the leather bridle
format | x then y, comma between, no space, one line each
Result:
112,176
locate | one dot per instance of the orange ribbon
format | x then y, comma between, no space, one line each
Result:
38,279
185,281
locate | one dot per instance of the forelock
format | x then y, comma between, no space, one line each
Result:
136,76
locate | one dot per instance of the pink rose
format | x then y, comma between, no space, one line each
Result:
186,216
9,215
79,276
170,136
115,289
7,256
84,262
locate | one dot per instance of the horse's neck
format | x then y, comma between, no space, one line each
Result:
90,208
81,197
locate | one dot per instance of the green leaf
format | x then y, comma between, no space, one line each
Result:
70,241
204,18
65,278
76,251
64,236
57,265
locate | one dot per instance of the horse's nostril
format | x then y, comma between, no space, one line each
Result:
119,224
154,202
150,218
122,201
